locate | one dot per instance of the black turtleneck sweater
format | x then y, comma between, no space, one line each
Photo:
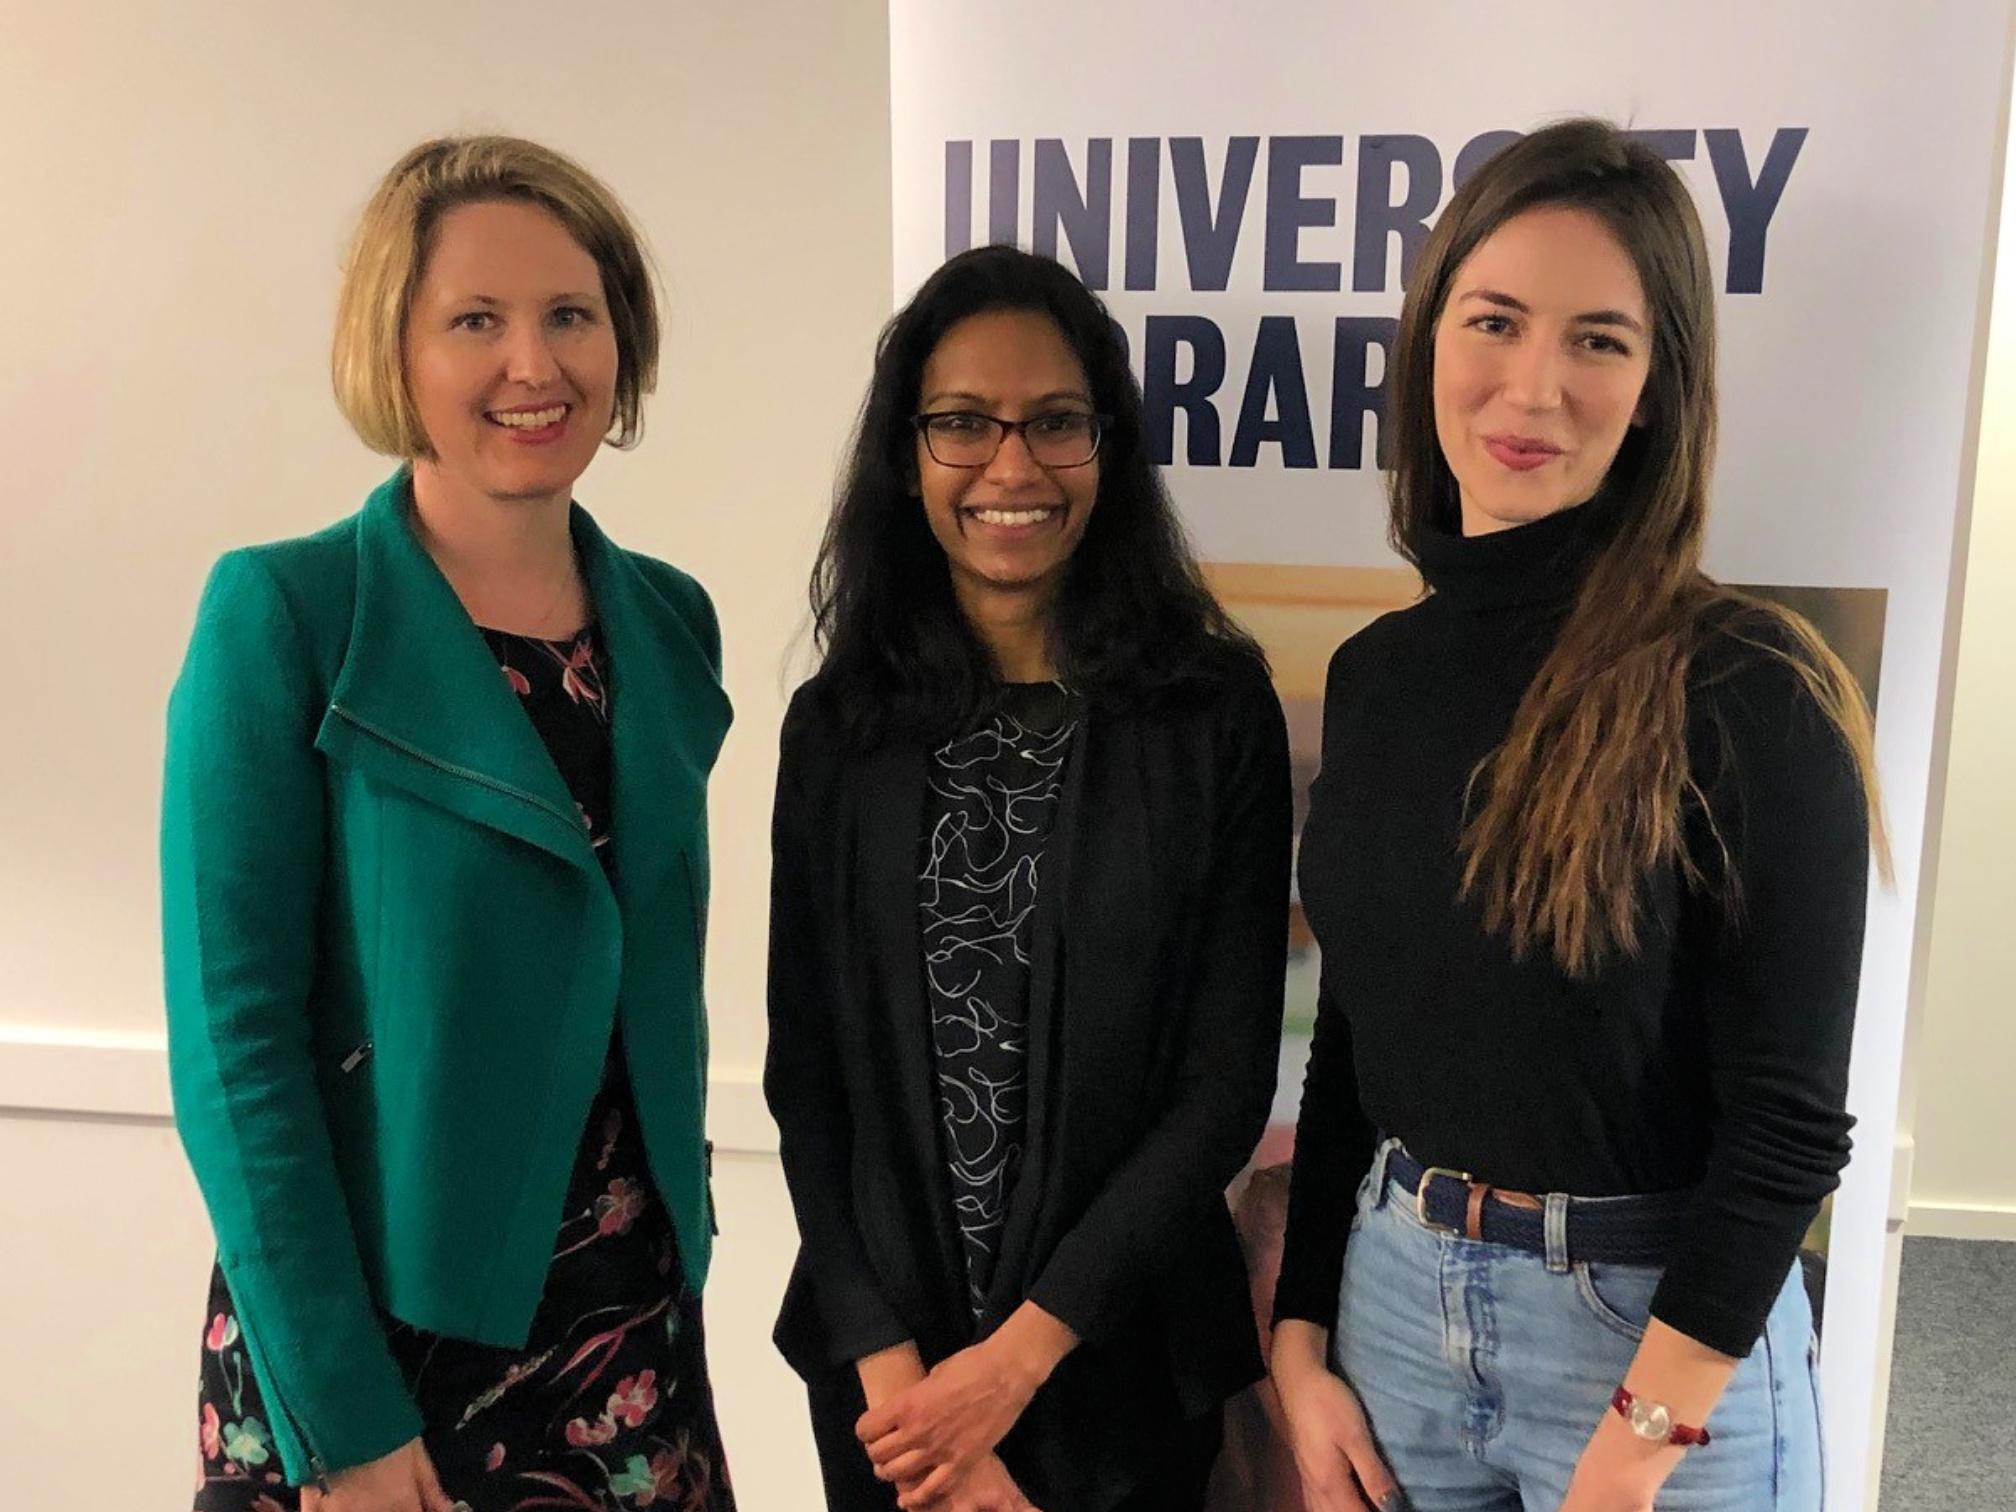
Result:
1714,1059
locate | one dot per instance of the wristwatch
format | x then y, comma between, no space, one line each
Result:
1653,1421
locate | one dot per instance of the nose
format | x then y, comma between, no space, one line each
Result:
1013,462
528,356
1533,375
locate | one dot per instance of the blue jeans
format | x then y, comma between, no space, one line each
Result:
1484,1369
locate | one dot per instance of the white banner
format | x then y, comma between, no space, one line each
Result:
1245,184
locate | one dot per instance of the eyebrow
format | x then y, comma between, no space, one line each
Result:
966,396
1589,317
492,300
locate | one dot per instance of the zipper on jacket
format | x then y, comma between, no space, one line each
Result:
275,1402
357,1057
467,774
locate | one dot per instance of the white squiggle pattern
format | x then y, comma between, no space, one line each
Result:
993,798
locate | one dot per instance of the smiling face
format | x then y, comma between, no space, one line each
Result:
1010,524
509,354
1541,357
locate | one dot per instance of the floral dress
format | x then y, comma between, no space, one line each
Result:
608,1405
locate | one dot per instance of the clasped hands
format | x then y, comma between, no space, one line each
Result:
935,1440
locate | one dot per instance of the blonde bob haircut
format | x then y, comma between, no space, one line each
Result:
389,254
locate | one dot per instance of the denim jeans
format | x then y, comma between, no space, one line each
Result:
1484,1369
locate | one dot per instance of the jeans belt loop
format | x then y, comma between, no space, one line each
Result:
1559,1262
1381,1159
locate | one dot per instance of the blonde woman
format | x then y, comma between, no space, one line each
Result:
1588,860
434,871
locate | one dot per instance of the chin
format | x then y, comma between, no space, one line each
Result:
1506,513
1015,577
533,486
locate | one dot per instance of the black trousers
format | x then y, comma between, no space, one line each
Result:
1177,1481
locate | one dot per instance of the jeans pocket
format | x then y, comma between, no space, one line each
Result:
1618,1296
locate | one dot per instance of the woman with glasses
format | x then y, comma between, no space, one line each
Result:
1028,931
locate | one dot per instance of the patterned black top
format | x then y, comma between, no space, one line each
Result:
992,798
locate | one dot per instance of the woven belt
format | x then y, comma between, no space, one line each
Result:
1607,1230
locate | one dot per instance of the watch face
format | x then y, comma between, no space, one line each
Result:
1649,1420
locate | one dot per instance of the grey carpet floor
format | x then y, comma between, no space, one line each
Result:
1951,1441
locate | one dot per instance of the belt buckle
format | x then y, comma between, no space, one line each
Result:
1421,1197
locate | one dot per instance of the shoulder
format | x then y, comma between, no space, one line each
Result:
271,624
682,591
1223,683
1365,650
1768,697
1754,661
305,586
814,732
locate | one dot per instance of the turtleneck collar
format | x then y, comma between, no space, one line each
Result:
1536,564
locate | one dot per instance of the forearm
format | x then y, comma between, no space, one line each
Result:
1682,1374
890,1372
1298,1347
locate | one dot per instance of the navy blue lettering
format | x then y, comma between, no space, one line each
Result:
1380,218
1276,374
1354,393
958,197
1749,205
1084,217
1004,190
1211,237
1144,210
1478,151
1288,211
1162,394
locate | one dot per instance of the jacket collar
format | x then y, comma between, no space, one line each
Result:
419,699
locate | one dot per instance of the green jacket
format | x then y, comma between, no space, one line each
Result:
394,963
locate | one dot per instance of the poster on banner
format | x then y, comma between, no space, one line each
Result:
1246,189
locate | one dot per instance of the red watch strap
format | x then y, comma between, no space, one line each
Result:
1683,1436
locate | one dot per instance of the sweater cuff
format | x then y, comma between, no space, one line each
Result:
1710,1320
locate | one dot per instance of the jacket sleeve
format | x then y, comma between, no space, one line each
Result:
802,1076
1231,1047
242,846
1784,955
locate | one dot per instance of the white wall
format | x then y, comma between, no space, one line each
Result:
183,179
1963,1185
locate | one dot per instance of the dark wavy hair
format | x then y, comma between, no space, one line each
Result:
1133,621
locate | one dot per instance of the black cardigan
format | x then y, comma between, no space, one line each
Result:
1156,995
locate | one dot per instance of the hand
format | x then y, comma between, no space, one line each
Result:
1619,1471
938,1431
1340,1468
987,1487
403,1481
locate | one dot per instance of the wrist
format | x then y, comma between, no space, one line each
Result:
1618,1457
1028,1346
889,1372
1299,1348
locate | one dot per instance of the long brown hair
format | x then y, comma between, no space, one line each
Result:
1585,796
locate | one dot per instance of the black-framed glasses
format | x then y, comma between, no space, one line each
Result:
966,438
